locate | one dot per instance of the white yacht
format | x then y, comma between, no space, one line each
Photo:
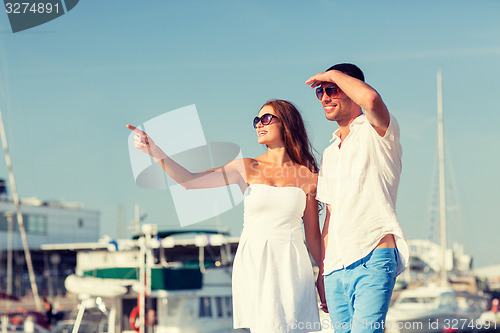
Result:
434,309
158,282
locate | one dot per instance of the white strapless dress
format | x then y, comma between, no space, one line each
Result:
273,280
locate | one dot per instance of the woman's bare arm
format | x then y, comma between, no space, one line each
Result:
230,173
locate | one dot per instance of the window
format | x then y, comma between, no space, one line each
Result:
417,300
218,303
4,225
35,224
205,307
447,299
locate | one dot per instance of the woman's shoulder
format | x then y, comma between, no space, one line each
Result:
306,172
247,161
242,161
244,165
259,161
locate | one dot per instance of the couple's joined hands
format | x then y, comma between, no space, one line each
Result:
320,285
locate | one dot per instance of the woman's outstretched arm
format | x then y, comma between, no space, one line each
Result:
231,173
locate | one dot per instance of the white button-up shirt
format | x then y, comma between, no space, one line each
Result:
359,180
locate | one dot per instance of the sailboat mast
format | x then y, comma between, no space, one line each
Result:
442,183
20,221
9,216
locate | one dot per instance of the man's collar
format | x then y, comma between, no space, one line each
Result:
356,122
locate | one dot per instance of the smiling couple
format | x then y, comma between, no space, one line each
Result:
362,247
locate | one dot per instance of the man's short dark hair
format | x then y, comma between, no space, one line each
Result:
349,69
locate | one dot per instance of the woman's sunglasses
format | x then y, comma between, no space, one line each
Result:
332,92
265,119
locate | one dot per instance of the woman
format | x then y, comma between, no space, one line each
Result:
273,283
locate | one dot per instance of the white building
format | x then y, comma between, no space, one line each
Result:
45,223
48,222
431,254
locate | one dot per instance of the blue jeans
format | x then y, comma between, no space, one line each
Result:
358,295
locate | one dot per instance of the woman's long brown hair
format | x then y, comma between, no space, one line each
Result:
294,134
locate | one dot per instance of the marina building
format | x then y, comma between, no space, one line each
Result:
45,222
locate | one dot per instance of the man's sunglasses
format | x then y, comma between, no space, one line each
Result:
265,119
332,92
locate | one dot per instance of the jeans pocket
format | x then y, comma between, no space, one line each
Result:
382,261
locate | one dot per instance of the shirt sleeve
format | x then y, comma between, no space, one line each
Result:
390,141
392,133
390,151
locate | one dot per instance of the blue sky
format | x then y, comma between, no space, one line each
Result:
68,87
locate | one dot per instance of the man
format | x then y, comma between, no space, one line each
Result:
363,245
